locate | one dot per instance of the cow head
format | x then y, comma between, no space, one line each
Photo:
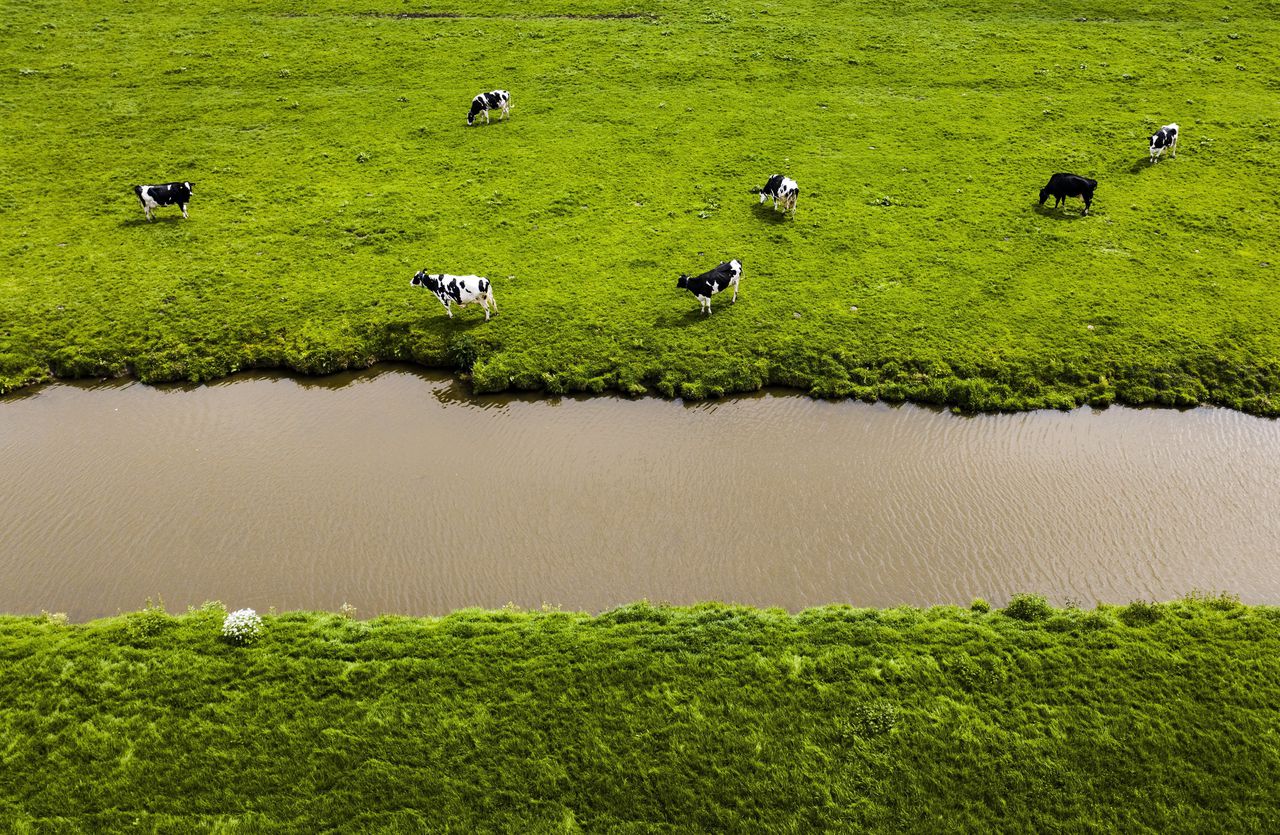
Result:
190,189
683,282
1044,195
421,279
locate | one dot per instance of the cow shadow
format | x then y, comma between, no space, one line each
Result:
766,211
142,221
1140,165
686,318
1061,213
461,323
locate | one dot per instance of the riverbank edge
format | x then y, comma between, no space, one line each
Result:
647,717
1131,386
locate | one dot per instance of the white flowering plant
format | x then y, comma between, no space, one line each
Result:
243,626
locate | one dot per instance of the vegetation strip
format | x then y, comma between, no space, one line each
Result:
646,718
331,162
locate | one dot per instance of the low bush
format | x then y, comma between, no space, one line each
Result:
1028,607
1141,613
243,626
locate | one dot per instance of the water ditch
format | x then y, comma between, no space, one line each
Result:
395,491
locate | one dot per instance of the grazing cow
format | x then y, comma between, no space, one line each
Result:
153,197
709,283
460,289
1165,139
497,100
1062,186
784,192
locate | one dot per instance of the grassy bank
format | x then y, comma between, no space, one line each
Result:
711,718
328,148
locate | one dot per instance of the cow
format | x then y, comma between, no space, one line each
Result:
1165,139
497,100
784,192
459,289
709,283
1062,186
153,197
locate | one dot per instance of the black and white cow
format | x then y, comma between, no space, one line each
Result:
709,283
499,100
462,290
1165,139
153,197
1062,186
784,192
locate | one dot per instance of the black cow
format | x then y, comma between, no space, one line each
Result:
497,100
1165,139
1062,186
153,197
709,283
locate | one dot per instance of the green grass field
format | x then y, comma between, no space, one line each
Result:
648,719
328,146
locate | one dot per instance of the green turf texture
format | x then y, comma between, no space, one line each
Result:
1145,718
331,160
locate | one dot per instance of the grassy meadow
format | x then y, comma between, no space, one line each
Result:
1144,718
328,148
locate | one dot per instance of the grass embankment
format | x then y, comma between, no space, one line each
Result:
711,718
328,148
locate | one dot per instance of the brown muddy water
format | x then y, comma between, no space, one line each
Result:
396,492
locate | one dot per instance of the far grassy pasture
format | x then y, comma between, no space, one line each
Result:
328,147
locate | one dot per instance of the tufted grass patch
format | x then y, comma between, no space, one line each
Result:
709,718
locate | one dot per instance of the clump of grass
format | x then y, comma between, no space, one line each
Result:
1141,613
147,623
1028,607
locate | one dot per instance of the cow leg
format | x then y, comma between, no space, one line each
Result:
735,292
445,302
493,301
485,305
184,210
1173,149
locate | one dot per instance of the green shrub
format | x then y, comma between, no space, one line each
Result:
464,351
980,606
1095,621
147,623
1219,600
1141,613
1028,607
